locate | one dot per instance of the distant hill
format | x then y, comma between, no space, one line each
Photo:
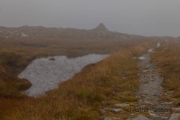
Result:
101,27
178,37
100,32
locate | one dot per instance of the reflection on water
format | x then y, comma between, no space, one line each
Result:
46,73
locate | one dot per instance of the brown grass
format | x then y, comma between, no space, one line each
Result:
167,58
114,80
16,53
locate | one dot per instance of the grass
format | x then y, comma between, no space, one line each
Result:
167,60
17,53
114,80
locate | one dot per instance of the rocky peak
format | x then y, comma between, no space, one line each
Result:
101,27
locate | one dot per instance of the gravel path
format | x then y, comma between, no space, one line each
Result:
151,106
150,92
150,82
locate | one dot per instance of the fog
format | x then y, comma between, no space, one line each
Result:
142,17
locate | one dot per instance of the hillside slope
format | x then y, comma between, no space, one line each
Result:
100,32
113,80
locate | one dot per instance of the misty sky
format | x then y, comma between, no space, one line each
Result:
143,17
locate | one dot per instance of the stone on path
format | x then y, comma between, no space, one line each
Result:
153,115
176,109
116,110
148,102
139,118
175,116
106,118
167,103
122,105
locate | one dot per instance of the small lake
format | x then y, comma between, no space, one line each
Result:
46,73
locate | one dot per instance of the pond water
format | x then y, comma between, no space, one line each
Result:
46,73
150,50
158,44
141,58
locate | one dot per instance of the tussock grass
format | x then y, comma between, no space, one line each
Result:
17,53
167,58
114,80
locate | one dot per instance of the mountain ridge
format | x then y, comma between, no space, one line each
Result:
100,32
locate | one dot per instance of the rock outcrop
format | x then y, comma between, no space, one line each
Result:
100,27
